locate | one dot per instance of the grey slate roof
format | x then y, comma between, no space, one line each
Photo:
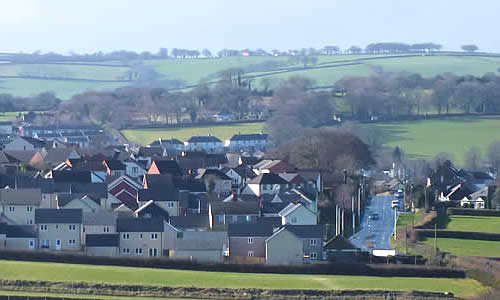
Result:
58,216
3,228
249,137
250,230
100,218
236,208
114,164
268,178
21,231
71,176
307,231
204,139
154,224
103,240
183,222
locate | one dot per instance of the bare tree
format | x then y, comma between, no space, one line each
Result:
473,159
205,52
469,48
494,155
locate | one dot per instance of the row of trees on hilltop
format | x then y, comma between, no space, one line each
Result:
163,53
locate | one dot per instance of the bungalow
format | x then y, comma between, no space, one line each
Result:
204,143
247,141
141,237
295,244
59,229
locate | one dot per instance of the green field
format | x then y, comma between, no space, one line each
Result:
223,132
13,270
467,247
76,296
474,224
425,139
191,71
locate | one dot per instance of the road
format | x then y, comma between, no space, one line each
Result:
376,234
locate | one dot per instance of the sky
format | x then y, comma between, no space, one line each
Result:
84,26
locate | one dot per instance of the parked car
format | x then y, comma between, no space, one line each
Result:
374,217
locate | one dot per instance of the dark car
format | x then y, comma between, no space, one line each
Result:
374,216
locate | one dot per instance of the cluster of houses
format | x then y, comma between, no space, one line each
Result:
200,200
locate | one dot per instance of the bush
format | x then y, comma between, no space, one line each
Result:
472,212
458,235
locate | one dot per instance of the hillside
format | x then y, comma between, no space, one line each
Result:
68,78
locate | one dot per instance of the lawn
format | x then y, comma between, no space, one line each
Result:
467,247
95,72
474,224
77,296
223,132
425,139
13,270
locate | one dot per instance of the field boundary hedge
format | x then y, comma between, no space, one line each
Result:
189,125
102,289
472,212
467,235
165,263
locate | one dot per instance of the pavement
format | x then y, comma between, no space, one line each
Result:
376,234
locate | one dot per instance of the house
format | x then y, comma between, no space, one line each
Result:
20,237
125,189
151,209
31,157
239,175
57,156
100,222
247,141
265,183
342,250
478,199
134,169
249,240
272,166
295,244
216,181
114,167
6,127
191,223
234,212
23,143
171,200
59,229
457,192
86,203
297,214
103,244
201,246
249,161
204,143
141,237
165,167
169,145
18,206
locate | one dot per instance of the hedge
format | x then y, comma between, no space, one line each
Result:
459,234
165,263
473,212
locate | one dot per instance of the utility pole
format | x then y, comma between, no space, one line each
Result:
395,223
336,220
406,240
343,223
435,238
353,217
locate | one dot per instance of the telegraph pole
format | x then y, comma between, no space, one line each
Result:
353,218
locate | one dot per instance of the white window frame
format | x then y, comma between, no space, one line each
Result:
29,208
139,251
313,242
12,208
170,204
250,240
250,253
126,236
31,244
313,255
154,236
125,250
43,227
72,227
72,242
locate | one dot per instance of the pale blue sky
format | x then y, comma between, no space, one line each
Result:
92,25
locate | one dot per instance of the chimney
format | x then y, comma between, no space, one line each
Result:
345,176
235,196
261,206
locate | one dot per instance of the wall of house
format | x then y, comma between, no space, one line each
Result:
102,251
21,243
140,240
21,214
239,246
49,201
300,216
3,241
235,219
313,247
87,205
97,229
61,232
172,207
222,187
133,170
284,249
6,129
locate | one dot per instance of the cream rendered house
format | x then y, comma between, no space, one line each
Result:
59,229
18,205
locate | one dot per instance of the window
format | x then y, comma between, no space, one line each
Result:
135,169
30,222
313,255
57,226
250,240
294,219
220,219
12,208
106,229
32,244
125,236
138,251
154,236
72,242
29,208
45,243
264,187
180,235
314,242
249,219
153,251
125,250
72,227
43,227
171,204
250,253
140,236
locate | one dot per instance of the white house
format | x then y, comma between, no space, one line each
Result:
247,141
297,214
265,183
207,143
6,127
133,169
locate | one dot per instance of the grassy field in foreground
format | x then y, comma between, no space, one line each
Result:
223,132
467,247
177,278
474,223
427,138
75,296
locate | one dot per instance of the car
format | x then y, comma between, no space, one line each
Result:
374,216
394,203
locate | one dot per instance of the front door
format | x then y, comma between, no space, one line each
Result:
58,244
